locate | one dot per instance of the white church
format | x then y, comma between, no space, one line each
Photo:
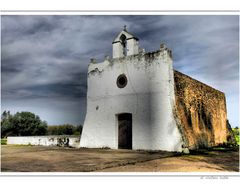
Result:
130,99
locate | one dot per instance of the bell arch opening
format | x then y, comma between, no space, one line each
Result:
123,40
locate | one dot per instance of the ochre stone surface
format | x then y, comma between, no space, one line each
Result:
201,113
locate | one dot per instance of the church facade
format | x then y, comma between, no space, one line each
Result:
136,100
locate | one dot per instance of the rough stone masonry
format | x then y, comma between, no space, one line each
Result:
136,100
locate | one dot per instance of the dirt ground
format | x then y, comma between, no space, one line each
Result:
60,159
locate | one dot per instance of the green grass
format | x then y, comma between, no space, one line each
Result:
3,141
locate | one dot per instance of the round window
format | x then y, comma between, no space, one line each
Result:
121,81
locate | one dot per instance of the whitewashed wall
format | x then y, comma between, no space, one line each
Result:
149,96
42,140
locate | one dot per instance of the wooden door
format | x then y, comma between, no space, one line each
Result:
125,131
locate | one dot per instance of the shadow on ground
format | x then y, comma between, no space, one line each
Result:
225,158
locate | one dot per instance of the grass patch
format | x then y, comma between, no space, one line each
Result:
3,141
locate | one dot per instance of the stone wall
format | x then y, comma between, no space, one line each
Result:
201,113
63,140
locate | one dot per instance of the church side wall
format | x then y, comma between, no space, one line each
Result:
202,112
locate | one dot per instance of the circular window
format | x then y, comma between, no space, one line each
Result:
121,81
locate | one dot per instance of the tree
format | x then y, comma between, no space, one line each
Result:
5,115
22,124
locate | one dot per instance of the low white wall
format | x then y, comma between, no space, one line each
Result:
73,141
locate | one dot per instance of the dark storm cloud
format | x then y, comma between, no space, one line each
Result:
69,90
15,66
45,58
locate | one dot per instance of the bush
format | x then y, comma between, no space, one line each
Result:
3,141
236,134
65,129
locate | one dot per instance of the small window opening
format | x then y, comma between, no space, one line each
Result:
121,81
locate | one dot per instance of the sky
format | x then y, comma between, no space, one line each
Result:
44,59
